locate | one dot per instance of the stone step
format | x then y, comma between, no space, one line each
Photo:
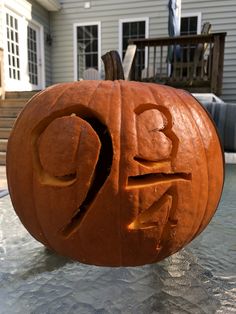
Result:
4,133
13,103
24,94
3,145
6,122
2,158
9,112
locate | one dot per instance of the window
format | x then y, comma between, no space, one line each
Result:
133,29
87,48
13,47
190,24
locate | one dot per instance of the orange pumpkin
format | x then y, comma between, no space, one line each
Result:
114,173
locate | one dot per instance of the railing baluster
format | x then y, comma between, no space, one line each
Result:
161,56
148,59
209,66
188,62
175,63
154,63
181,62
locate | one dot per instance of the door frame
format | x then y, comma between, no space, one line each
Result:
24,20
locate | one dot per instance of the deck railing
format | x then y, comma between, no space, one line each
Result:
192,62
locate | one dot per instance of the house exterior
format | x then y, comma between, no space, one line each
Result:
50,41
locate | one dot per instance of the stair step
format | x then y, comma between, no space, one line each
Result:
18,103
9,112
3,145
4,133
2,158
7,122
24,94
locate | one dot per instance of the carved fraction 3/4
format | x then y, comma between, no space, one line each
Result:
157,145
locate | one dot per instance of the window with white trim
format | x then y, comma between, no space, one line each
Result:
87,45
134,29
190,24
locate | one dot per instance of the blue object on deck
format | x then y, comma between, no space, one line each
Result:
173,29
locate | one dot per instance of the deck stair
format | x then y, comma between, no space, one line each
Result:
10,107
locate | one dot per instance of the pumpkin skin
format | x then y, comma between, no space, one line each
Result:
114,173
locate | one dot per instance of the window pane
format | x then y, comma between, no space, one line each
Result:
193,25
134,29
95,31
125,29
184,25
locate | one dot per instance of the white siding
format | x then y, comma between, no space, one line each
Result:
108,13
221,14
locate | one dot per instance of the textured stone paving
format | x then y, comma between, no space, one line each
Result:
198,280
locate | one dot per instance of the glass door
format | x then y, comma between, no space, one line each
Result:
13,50
23,66
33,54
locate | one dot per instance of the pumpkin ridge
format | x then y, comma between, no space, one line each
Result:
199,136
201,225
34,98
63,113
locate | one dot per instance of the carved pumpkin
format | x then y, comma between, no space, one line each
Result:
114,173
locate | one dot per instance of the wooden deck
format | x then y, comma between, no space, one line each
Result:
194,63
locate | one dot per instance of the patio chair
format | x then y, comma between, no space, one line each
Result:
91,74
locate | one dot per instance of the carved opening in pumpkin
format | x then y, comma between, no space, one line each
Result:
142,181
102,171
102,167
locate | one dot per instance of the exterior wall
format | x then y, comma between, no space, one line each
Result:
221,15
108,13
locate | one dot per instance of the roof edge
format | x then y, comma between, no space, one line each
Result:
50,5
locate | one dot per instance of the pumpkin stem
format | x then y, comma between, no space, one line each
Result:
113,66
